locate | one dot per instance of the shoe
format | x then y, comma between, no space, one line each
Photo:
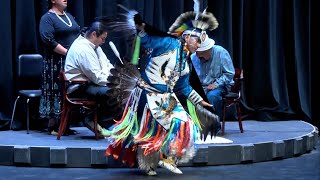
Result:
54,133
170,167
52,128
151,172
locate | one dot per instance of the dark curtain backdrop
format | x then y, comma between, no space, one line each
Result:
272,40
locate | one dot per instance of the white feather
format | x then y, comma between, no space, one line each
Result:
115,51
129,16
196,8
204,11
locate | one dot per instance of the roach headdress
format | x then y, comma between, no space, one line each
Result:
194,23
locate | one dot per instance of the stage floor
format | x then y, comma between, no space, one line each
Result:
261,141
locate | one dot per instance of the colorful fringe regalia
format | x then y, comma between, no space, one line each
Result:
154,119
154,125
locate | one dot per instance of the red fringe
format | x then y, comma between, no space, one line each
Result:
179,139
114,151
186,139
129,156
182,139
154,143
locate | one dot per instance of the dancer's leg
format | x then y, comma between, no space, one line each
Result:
148,163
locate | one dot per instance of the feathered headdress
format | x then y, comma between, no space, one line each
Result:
194,23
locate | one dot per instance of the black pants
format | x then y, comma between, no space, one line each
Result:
108,106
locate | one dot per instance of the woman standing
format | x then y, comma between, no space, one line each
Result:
58,29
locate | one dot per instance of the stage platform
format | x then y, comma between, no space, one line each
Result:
261,141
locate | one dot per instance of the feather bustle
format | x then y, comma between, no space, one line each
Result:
122,80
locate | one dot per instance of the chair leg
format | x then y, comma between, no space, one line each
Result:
63,122
96,124
28,117
14,110
223,118
239,117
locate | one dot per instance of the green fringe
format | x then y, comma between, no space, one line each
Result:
122,125
170,132
126,125
193,114
150,131
135,131
136,52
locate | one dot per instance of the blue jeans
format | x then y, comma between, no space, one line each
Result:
215,98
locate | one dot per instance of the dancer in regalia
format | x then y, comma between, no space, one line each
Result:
163,114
